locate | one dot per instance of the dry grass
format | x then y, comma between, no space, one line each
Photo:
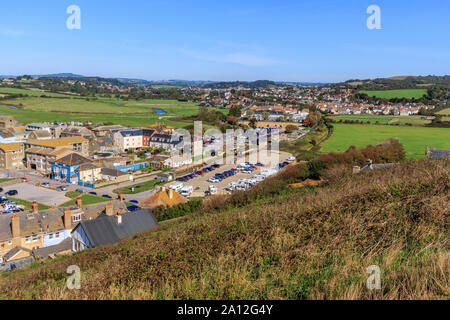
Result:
314,245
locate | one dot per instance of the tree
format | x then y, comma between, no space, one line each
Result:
291,128
252,123
235,111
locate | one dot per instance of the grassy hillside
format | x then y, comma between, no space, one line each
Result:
300,244
414,139
402,93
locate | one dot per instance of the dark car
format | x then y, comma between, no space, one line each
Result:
11,192
216,165
62,188
1,189
205,170
80,190
107,196
93,193
133,208
134,201
259,164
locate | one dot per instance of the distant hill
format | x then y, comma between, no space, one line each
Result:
399,82
258,84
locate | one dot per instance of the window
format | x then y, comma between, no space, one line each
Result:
28,239
35,238
50,236
76,218
9,242
57,235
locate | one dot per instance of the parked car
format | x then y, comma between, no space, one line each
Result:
1,189
24,179
80,190
11,192
290,159
45,184
133,208
107,196
62,188
259,164
134,201
93,193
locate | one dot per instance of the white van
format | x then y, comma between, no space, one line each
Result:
176,186
213,189
186,191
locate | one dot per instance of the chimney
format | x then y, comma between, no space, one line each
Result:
35,207
356,169
109,209
15,226
120,196
79,202
67,219
163,188
170,194
119,218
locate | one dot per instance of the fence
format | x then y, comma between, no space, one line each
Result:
133,167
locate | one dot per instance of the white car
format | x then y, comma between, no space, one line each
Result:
213,180
290,159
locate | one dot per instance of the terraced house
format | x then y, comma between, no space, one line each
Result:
38,234
129,139
11,155
39,153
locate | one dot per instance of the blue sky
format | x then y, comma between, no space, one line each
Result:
302,40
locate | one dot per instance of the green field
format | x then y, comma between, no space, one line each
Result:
31,93
86,199
414,139
390,94
383,119
445,112
111,110
139,187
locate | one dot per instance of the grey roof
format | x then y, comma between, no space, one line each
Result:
166,138
11,253
377,166
65,245
131,132
106,230
439,154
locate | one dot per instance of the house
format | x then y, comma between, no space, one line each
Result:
54,130
146,135
436,153
40,159
7,122
11,156
129,139
110,174
107,130
111,228
75,168
22,236
76,131
40,135
165,141
165,176
371,166
166,198
78,144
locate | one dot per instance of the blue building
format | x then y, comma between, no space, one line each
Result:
67,169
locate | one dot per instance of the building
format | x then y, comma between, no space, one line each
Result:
165,176
78,144
111,228
76,131
129,139
146,135
107,130
40,135
54,130
11,156
166,198
40,159
165,141
23,235
75,168
7,122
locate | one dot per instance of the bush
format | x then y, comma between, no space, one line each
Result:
166,213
